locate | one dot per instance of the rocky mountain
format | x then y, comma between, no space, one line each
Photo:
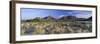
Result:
84,19
90,18
50,18
64,18
68,18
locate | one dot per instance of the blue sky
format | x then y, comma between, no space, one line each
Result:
31,13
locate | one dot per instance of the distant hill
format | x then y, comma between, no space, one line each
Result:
90,18
35,19
84,19
64,18
49,18
68,18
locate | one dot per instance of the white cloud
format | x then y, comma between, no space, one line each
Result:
61,16
83,16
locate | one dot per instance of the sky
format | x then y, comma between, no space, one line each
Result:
31,13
